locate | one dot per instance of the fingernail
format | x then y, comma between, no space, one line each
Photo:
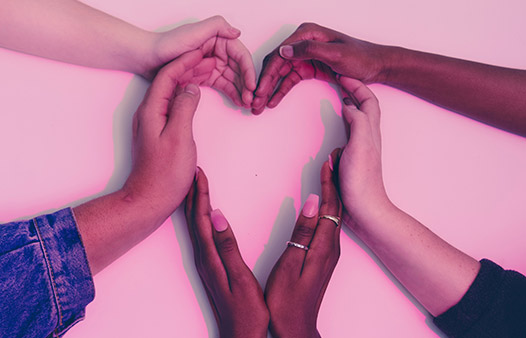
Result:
348,101
330,162
192,89
286,51
218,220
235,30
310,209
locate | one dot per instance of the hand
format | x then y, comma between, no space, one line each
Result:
360,167
234,293
234,72
313,51
164,151
297,283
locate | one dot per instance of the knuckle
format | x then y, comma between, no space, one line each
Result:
226,245
308,25
303,231
218,18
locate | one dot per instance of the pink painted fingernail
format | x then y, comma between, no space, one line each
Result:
330,162
218,220
310,209
286,51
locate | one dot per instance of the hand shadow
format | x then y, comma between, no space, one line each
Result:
310,183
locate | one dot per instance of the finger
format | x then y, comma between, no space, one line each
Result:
227,248
325,246
268,78
285,70
228,88
302,235
210,266
237,51
285,86
199,32
334,165
190,215
153,111
294,74
366,100
182,112
326,52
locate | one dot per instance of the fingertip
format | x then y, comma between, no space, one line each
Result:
247,98
310,208
256,111
218,220
286,51
235,32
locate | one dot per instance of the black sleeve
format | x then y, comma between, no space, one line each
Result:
494,306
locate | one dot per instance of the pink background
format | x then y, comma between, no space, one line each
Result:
65,136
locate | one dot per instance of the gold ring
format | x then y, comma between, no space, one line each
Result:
335,219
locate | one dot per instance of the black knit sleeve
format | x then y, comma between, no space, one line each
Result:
494,306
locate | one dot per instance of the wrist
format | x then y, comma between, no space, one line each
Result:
288,330
149,209
375,212
147,60
390,58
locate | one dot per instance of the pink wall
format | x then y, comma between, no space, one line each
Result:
64,134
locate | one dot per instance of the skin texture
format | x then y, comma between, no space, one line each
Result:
319,53
164,162
298,281
436,273
233,291
295,287
490,94
72,32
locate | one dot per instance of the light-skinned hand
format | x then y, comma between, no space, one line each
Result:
164,151
233,74
360,167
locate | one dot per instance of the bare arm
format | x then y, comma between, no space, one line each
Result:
490,94
436,273
163,169
70,31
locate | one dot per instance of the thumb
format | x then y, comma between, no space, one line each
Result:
310,50
355,120
182,111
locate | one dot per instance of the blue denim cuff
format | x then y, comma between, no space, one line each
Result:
69,271
45,279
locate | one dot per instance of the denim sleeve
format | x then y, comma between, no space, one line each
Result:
493,306
45,280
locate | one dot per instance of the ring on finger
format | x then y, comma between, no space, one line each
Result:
298,245
335,219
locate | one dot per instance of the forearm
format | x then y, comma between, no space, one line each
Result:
437,274
70,31
111,225
490,94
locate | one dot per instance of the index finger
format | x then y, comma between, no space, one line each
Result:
324,248
163,86
272,64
